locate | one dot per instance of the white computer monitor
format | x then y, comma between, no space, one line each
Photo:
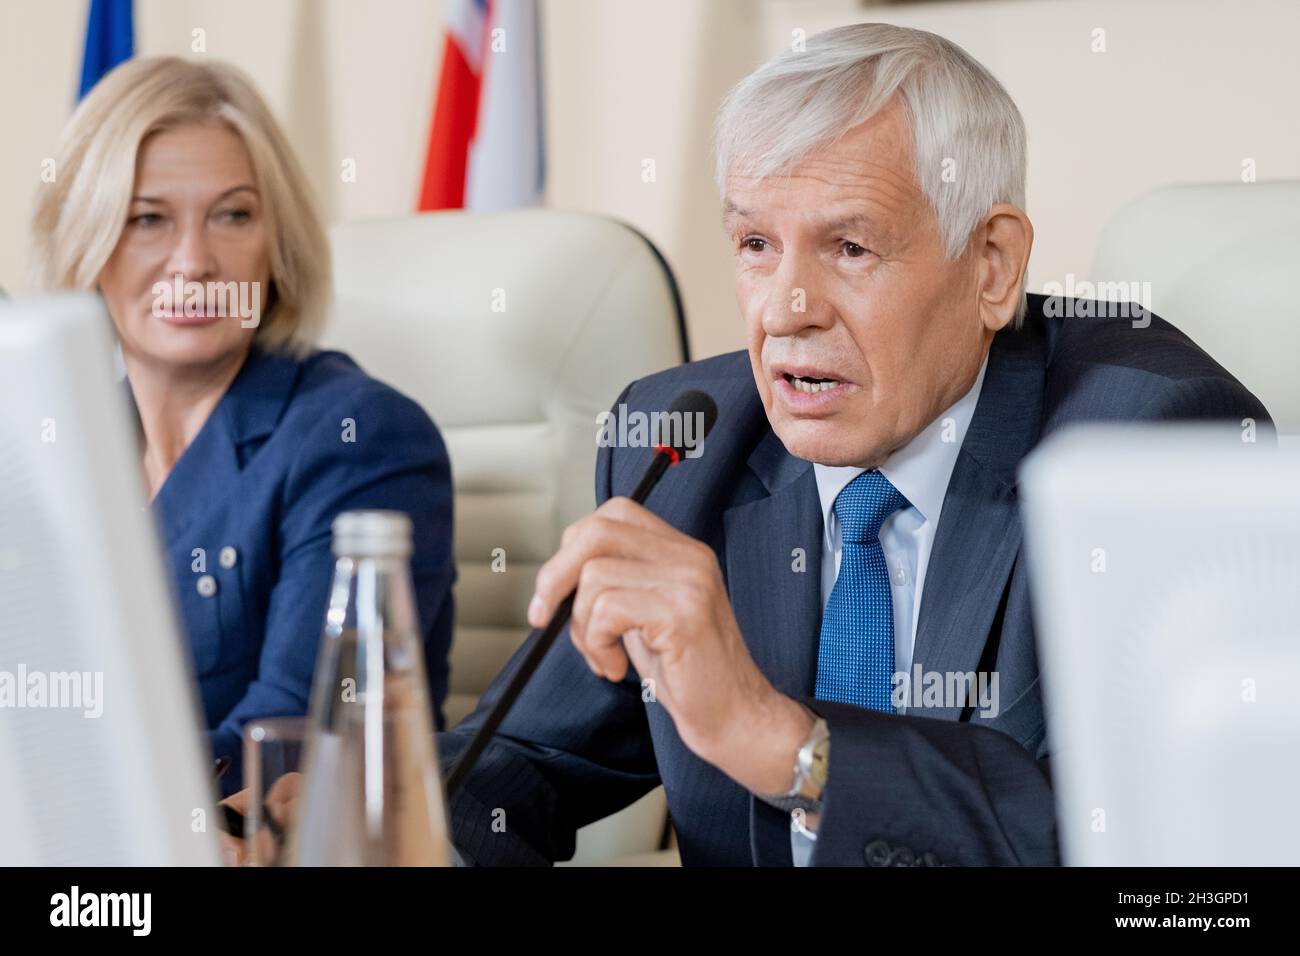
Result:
103,758
1165,566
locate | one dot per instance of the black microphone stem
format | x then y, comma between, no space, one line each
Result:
658,465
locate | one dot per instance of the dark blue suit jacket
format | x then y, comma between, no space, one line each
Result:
257,490
948,787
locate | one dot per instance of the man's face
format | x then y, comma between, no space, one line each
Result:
841,278
195,213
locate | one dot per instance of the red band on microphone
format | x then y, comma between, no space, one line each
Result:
671,452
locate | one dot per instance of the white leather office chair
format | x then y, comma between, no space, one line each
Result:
514,330
1223,261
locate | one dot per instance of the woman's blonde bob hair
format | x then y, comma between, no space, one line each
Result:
80,215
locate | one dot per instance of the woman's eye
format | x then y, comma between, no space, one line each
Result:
237,215
145,219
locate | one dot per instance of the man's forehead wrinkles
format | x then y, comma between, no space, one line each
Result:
882,197
857,172
855,159
875,195
871,192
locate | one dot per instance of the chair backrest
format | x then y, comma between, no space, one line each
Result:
514,330
1223,263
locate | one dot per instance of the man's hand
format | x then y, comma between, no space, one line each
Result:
652,594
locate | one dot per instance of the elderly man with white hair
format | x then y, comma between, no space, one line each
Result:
818,635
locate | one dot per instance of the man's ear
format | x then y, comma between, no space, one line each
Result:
1003,242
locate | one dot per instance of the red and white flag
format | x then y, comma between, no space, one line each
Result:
485,145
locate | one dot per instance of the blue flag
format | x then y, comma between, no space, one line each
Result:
110,39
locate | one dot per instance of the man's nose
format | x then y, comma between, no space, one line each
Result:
192,256
796,301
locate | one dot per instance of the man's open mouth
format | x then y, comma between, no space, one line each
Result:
810,384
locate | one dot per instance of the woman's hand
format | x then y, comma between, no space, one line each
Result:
281,805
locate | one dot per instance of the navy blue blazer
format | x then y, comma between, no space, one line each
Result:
948,787
245,518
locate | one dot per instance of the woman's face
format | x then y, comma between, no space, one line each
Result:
196,217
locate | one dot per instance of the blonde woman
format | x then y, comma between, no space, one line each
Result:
178,198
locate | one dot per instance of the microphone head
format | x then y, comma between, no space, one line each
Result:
693,415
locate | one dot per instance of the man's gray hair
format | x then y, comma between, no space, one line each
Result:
968,136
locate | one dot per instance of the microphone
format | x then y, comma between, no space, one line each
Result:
692,403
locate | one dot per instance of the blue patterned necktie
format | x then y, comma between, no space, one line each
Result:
855,658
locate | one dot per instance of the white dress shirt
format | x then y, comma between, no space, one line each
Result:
920,470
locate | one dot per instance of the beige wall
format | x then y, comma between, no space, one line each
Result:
1185,91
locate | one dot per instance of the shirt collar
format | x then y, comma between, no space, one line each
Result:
921,469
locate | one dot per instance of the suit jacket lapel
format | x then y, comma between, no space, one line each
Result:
773,565
774,554
208,470
978,537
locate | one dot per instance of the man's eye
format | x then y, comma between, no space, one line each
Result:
754,244
853,250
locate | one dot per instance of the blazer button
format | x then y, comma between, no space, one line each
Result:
228,557
903,856
206,585
877,853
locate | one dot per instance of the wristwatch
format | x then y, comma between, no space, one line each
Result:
811,768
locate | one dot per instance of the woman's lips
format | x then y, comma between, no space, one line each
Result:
180,318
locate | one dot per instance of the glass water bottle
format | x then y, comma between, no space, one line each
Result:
372,795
